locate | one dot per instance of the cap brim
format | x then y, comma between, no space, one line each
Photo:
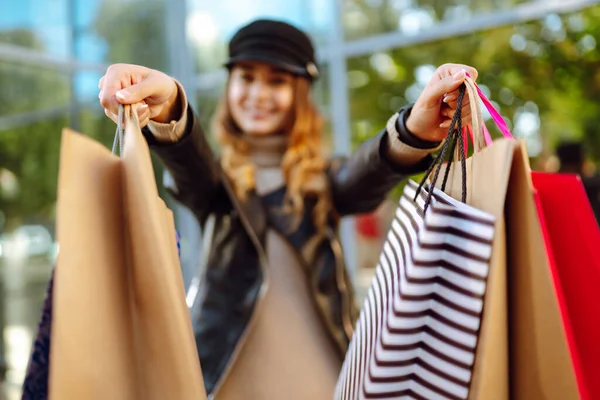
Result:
269,60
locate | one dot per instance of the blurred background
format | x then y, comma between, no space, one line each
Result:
537,60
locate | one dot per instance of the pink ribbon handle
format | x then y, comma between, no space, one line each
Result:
486,135
468,132
498,120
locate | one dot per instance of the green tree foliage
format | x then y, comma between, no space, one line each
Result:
364,18
545,68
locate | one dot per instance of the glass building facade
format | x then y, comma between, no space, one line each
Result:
536,59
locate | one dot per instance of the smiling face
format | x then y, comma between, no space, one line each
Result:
260,98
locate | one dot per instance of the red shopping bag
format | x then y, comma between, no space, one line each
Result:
572,239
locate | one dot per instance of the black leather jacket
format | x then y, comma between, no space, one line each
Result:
236,264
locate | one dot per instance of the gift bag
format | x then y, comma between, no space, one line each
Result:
572,239
521,350
120,325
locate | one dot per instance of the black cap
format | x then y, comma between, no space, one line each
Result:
274,42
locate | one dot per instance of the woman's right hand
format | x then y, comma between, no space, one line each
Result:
154,92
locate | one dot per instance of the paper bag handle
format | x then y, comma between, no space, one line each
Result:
477,132
496,117
452,141
480,137
120,132
125,115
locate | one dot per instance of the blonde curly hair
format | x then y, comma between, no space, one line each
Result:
303,164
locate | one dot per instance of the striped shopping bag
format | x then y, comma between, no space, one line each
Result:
417,333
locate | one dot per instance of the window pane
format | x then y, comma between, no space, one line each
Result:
36,24
30,88
363,18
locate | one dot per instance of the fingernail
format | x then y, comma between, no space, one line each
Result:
122,95
460,75
143,106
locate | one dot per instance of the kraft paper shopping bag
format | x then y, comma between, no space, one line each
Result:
120,328
523,352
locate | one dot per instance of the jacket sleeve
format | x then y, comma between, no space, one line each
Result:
359,183
192,164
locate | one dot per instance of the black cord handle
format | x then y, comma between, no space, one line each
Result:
452,140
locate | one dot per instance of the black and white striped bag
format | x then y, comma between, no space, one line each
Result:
417,333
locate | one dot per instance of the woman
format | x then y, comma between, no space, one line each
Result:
276,309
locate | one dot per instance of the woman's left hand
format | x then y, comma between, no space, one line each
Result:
431,115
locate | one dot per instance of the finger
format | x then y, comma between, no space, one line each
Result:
143,111
144,121
116,78
138,92
466,110
453,96
467,119
101,82
446,124
108,101
451,69
473,73
451,77
464,121
451,99
449,111
436,91
111,115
